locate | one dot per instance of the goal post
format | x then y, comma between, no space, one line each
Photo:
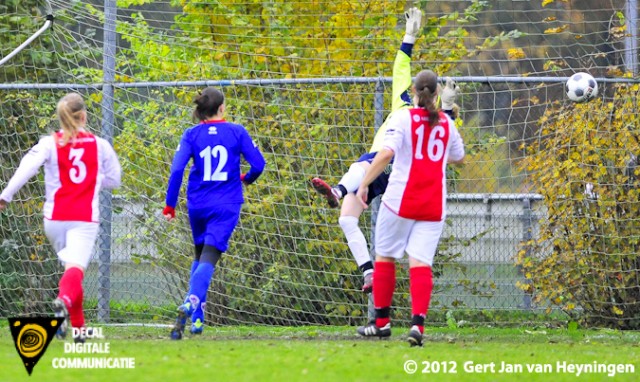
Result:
311,82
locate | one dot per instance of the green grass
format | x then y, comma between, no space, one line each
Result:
331,354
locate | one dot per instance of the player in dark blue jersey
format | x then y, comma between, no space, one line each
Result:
214,194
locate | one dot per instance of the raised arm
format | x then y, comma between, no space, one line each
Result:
401,80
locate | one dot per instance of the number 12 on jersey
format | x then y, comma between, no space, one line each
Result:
219,152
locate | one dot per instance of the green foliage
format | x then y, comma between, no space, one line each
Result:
293,257
28,265
586,259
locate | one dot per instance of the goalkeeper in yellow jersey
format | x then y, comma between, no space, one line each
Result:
349,183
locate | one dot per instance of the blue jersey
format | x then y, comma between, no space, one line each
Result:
215,148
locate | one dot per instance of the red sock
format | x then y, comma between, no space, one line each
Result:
76,313
384,283
71,292
421,285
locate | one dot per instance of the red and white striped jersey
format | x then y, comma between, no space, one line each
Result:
74,174
417,184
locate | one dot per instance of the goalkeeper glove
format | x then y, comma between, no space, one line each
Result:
169,212
414,20
449,94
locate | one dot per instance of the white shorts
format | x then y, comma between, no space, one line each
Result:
396,235
73,241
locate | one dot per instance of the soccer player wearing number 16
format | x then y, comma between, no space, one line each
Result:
214,194
411,216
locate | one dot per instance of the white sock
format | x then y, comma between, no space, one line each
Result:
352,179
355,239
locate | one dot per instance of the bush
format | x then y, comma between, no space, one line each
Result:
586,259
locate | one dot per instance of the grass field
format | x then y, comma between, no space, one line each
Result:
332,354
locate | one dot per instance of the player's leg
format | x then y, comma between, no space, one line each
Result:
349,217
56,233
203,275
349,182
198,229
392,232
79,240
221,221
421,248
194,265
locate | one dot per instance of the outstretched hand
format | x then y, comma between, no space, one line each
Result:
413,17
3,204
449,94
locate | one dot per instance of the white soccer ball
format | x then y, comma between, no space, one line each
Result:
582,87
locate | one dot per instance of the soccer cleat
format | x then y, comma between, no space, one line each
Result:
372,330
326,191
81,337
185,310
197,327
367,284
415,337
60,311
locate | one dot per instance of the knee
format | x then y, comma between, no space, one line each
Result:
359,167
348,223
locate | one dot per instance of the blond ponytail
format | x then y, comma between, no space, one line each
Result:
71,111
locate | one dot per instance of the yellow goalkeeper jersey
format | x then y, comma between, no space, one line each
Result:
401,82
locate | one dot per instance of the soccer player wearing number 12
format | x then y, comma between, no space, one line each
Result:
77,165
214,194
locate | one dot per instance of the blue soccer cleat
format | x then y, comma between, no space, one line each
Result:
197,318
197,326
185,310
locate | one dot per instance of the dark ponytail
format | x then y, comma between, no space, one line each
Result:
208,103
426,85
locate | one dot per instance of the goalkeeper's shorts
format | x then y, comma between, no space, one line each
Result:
214,225
379,185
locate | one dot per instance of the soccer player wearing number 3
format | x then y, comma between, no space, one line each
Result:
77,165
411,217
214,194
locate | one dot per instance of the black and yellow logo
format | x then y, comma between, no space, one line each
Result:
32,335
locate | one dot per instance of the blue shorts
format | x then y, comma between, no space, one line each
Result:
214,225
379,185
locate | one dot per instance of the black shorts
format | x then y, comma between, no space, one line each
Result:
379,185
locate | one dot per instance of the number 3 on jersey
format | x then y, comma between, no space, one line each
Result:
219,152
435,145
78,171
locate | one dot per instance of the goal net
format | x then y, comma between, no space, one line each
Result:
311,82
